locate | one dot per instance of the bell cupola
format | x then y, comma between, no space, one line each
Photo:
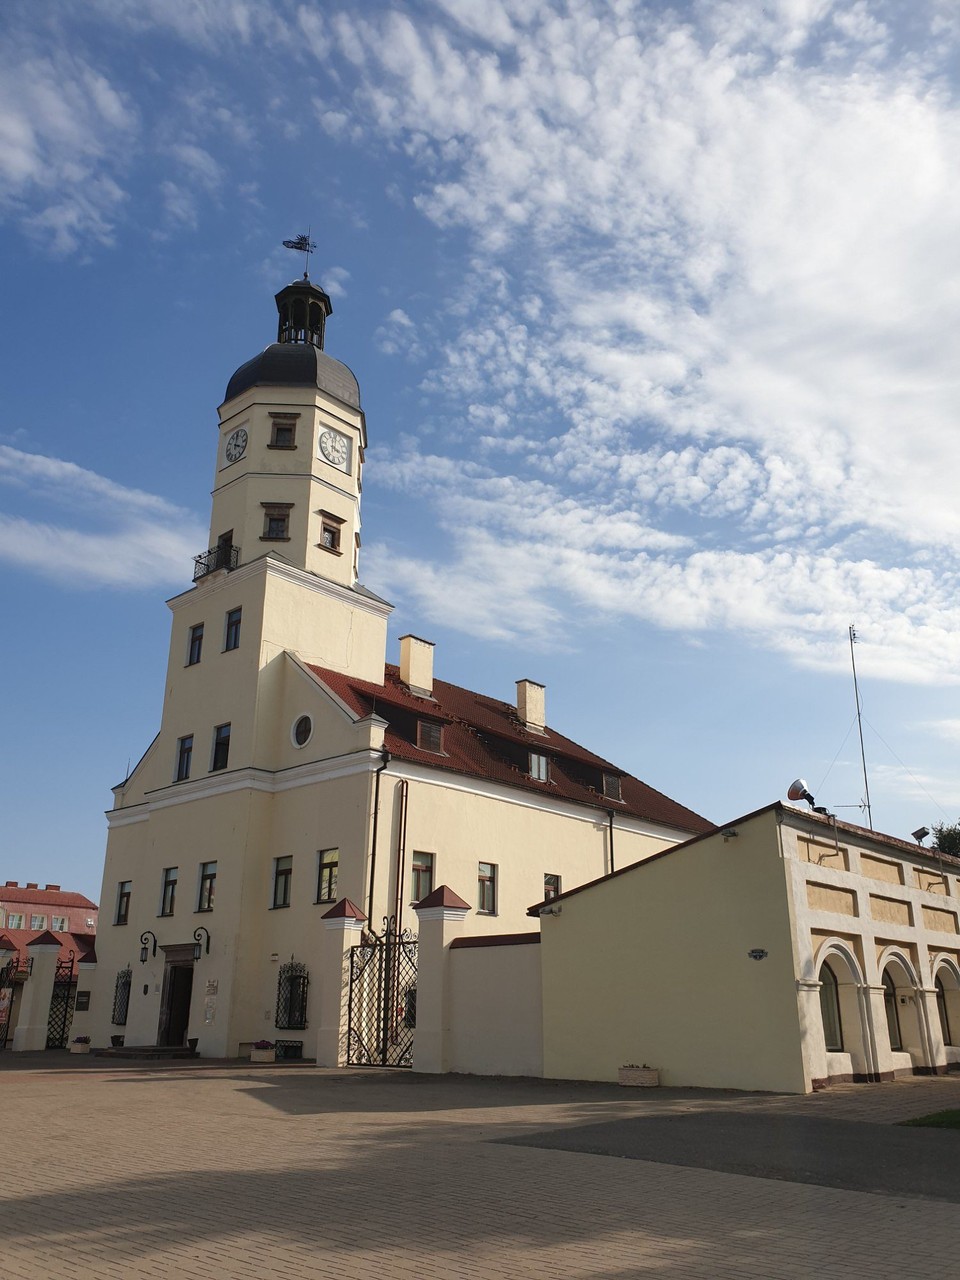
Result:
302,309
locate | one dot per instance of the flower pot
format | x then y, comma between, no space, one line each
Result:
639,1077
263,1055
79,1048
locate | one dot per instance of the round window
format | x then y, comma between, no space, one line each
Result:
302,731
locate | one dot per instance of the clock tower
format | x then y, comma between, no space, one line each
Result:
290,454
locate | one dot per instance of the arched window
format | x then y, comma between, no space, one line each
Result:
893,1017
830,1010
942,1010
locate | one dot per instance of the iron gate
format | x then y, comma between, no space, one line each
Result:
382,1007
61,1004
8,976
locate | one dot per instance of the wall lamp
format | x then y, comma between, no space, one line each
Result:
145,946
198,947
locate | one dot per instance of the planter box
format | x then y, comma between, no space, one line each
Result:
639,1077
263,1055
80,1048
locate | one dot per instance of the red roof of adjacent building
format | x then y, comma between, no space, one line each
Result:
52,897
81,944
485,738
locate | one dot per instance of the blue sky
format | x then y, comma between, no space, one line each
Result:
654,312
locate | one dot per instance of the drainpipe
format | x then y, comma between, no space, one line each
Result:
401,852
385,757
610,818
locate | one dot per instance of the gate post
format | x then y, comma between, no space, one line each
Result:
441,916
342,927
31,1032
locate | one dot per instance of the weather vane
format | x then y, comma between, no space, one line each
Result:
302,244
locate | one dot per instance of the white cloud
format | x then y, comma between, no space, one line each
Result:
142,540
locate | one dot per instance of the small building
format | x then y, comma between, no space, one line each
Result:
784,951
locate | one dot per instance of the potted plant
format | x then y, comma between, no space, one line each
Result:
263,1051
81,1044
639,1077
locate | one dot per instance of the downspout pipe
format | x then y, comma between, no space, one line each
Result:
385,758
610,837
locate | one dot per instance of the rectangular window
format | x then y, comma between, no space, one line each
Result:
282,874
539,767
327,879
38,922
487,889
611,786
283,431
14,920
59,924
231,635
208,883
551,887
221,747
168,893
430,736
330,526
276,521
123,901
422,875
195,645
184,757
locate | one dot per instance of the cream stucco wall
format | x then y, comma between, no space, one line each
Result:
652,966
496,1017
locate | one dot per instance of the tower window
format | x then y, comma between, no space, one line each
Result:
276,521
282,875
231,636
551,887
168,893
221,747
283,431
184,757
330,526
195,646
208,884
123,901
327,879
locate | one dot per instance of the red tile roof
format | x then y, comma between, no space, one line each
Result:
484,738
81,944
45,897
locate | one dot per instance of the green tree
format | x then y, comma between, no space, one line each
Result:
946,838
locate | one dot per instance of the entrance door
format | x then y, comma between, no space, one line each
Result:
175,1007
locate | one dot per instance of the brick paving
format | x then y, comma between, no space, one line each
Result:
230,1171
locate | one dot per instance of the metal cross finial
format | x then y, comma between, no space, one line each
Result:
302,244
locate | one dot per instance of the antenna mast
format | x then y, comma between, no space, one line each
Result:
863,758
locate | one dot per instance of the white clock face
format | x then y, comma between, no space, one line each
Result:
236,445
334,448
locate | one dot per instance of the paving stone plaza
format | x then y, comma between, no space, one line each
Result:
229,1171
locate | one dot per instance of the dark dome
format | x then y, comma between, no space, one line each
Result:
296,364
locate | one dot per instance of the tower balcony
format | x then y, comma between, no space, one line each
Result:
222,556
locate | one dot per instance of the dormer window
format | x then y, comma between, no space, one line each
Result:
430,736
539,767
611,786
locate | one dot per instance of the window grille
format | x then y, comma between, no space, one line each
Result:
292,986
121,997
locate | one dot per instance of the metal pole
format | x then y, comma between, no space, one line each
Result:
863,757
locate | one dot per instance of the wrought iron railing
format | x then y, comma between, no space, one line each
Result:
218,557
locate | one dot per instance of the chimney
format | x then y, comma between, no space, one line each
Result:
12,884
54,888
31,885
531,705
416,665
